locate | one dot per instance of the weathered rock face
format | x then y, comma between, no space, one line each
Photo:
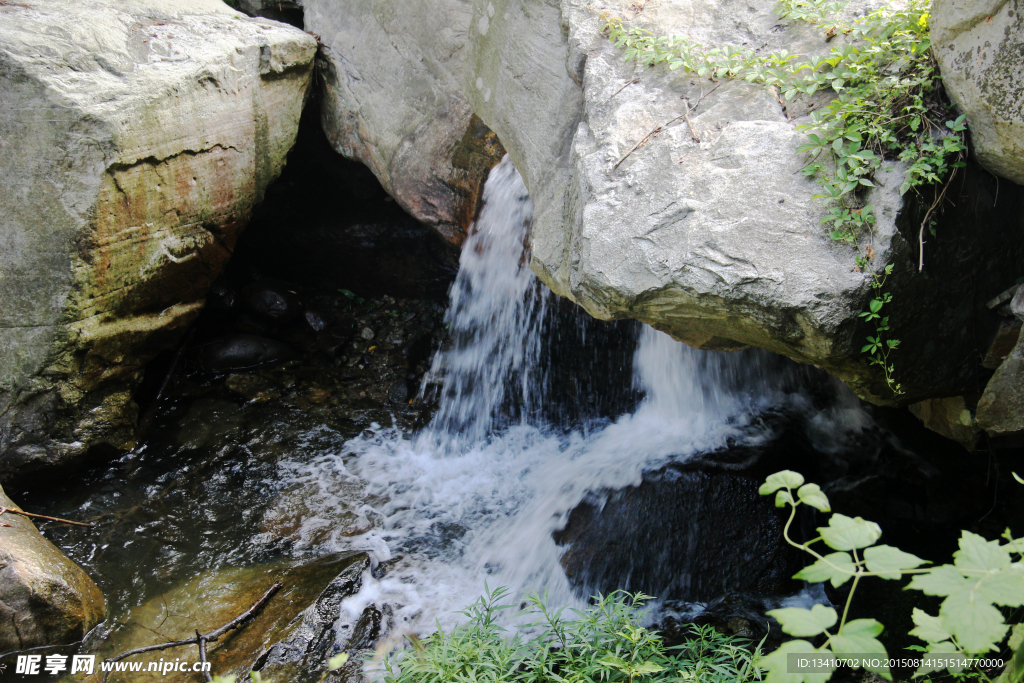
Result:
979,45
671,199
137,140
45,598
391,84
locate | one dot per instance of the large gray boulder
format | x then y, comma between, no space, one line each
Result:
45,598
135,140
664,197
979,45
391,75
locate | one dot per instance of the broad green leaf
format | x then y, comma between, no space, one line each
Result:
977,553
863,645
337,661
613,661
781,480
836,568
1016,637
928,628
800,622
848,533
777,664
943,580
784,498
1005,587
973,622
940,649
869,628
887,561
811,494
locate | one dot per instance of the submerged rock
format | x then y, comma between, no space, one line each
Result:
137,140
241,352
45,598
685,534
213,598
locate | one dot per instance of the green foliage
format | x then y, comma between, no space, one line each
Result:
887,105
602,643
984,576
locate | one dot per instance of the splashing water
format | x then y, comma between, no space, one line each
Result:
477,495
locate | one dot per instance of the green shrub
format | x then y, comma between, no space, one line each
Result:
604,642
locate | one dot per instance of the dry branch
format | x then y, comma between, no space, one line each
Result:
200,638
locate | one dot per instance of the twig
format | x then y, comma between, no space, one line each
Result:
924,223
46,517
628,83
201,639
693,131
202,655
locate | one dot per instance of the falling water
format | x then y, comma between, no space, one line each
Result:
478,494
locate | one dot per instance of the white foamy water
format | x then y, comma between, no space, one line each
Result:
477,495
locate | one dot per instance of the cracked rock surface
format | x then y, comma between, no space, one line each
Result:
135,140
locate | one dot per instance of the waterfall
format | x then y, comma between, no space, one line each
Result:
478,494
489,372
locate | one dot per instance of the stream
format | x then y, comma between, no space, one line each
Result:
541,451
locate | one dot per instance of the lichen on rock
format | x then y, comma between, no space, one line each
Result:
139,139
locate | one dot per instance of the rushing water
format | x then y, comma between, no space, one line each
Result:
476,496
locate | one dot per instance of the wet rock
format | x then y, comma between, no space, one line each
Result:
273,303
210,423
1003,343
120,212
398,392
980,49
1001,408
713,534
367,334
213,598
322,631
251,387
45,598
243,351
950,417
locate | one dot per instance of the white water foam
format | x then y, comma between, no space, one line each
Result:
477,495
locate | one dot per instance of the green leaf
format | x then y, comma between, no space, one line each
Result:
888,562
860,639
977,553
337,661
811,495
648,668
846,533
1017,477
614,662
784,498
928,628
1005,587
800,622
779,480
777,664
973,622
875,305
836,568
943,648
942,580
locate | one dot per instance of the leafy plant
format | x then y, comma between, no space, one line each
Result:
605,642
888,105
983,576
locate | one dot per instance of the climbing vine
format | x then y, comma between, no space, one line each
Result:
888,105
